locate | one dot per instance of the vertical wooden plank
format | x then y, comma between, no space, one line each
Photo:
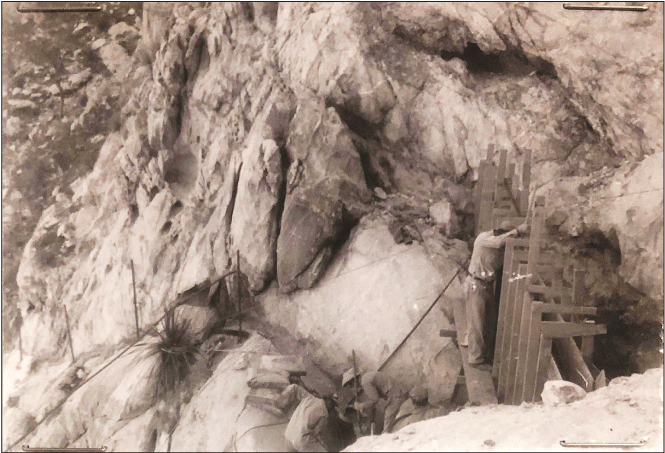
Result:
490,152
478,191
486,200
525,321
532,336
578,287
525,183
573,367
557,283
526,171
531,360
534,243
580,298
501,321
544,363
512,317
509,308
501,176
513,354
522,346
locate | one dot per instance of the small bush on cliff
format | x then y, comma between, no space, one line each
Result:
176,352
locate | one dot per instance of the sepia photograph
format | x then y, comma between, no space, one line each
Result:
332,226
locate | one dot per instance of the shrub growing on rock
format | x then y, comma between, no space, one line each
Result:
177,350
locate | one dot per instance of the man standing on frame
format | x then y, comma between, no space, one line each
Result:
486,260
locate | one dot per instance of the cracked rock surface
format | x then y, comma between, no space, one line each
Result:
312,140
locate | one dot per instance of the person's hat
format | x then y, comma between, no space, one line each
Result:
348,376
419,395
506,225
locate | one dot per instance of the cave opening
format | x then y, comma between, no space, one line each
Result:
510,62
595,243
626,348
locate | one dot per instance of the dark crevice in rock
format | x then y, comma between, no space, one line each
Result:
372,178
281,202
228,217
133,213
510,62
626,348
355,123
152,442
175,209
177,120
333,245
363,132
595,243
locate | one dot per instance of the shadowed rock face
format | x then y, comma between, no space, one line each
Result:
278,131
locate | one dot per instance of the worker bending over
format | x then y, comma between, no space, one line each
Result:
416,409
382,401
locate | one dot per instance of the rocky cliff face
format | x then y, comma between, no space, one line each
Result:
333,148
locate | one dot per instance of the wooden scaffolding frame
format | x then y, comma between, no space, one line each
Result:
539,316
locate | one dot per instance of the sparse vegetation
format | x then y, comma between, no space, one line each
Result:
176,352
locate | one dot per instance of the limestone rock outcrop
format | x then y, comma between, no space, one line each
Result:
332,148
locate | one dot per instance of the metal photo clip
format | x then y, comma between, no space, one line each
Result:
563,443
38,449
58,9
612,7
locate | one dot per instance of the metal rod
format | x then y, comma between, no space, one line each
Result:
421,319
238,290
27,448
69,334
355,387
59,9
136,307
563,443
605,7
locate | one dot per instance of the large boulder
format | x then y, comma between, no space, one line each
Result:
388,286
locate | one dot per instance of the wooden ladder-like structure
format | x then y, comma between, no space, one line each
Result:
539,316
500,194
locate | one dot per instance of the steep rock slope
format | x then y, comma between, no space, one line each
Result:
240,120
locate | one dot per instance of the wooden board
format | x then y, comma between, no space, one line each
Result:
559,329
571,363
487,200
500,325
531,334
478,190
544,361
513,359
479,383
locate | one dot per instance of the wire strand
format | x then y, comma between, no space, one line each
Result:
609,197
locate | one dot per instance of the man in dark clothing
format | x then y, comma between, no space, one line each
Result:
486,260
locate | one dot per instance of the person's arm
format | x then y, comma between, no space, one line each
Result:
369,386
487,239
